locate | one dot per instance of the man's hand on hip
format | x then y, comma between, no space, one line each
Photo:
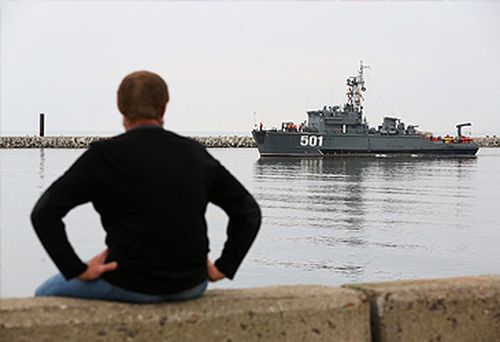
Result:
96,267
213,272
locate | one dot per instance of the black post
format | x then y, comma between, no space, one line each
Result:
42,124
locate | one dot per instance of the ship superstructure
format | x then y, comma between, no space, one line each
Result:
336,130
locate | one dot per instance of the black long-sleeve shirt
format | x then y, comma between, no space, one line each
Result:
151,188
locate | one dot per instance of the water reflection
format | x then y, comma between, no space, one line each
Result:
41,170
318,192
341,185
316,265
349,206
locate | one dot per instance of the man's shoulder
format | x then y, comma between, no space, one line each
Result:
148,136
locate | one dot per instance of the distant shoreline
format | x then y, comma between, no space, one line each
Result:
14,142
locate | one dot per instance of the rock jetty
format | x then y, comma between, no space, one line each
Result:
84,142
487,141
222,141
47,142
218,141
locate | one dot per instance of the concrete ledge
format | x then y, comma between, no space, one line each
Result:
286,313
455,309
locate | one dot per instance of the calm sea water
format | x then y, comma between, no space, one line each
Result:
329,221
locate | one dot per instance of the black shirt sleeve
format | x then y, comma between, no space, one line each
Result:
244,219
75,187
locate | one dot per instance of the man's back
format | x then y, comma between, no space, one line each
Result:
151,188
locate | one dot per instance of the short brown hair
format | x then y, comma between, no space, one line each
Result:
142,95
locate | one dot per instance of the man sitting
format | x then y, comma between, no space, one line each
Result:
151,188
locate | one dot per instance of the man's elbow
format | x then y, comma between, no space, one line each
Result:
39,214
254,214
36,216
258,215
246,213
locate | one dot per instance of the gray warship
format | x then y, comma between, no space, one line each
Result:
342,131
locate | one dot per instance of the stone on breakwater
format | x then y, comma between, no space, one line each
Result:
488,141
84,142
454,309
47,142
226,141
219,141
283,313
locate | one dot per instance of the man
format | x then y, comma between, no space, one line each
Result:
151,188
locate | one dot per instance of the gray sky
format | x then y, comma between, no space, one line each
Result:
433,63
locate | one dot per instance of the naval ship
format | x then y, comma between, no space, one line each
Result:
342,131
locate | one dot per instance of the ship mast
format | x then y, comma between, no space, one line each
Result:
355,88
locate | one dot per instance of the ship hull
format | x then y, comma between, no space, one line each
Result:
302,144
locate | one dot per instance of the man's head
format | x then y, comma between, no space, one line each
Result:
142,95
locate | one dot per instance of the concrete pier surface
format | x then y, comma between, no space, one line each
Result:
211,141
454,309
283,313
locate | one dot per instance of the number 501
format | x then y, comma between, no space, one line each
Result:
311,140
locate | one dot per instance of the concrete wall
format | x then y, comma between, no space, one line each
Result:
288,313
455,309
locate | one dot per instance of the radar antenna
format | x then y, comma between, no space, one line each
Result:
355,88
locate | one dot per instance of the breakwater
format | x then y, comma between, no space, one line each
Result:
487,141
84,142
211,141
454,309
